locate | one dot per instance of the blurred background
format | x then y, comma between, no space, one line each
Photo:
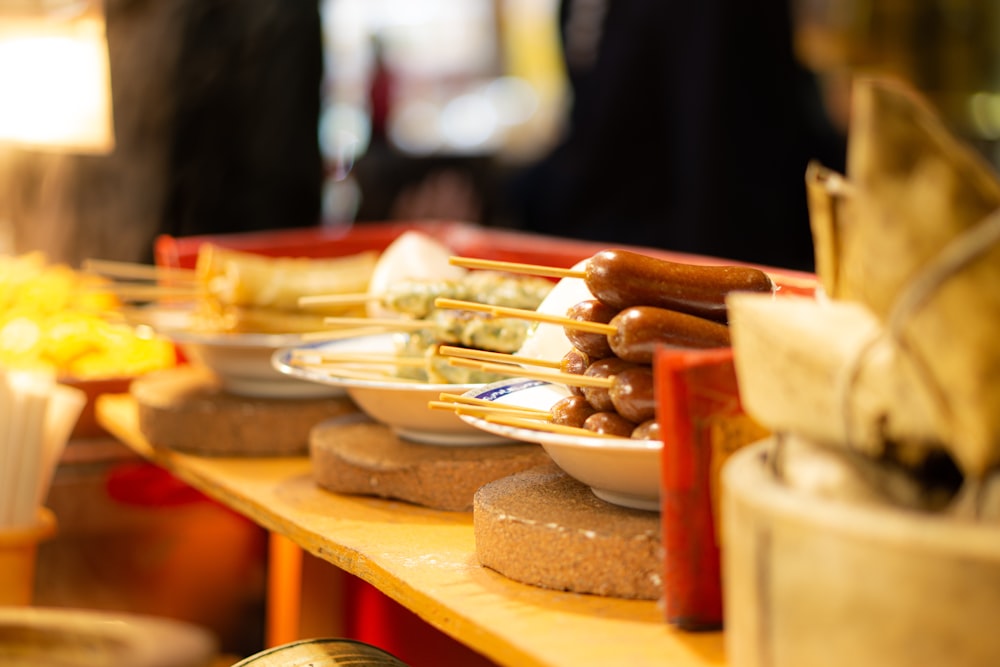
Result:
636,121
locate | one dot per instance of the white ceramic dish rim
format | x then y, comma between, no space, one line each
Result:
175,323
242,361
383,343
281,360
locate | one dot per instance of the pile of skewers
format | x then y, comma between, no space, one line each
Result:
232,291
640,304
453,335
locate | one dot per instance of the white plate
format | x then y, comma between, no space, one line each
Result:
621,471
242,361
401,405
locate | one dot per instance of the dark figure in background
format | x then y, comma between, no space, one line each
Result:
245,151
691,127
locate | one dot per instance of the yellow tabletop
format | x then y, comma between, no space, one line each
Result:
426,560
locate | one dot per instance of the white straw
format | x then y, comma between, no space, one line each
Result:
14,433
37,417
34,390
64,410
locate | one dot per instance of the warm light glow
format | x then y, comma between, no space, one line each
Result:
55,84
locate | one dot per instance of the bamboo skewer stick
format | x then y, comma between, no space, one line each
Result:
385,322
522,313
515,267
342,371
137,292
113,269
548,427
338,334
503,357
471,401
482,411
346,299
556,272
313,357
551,376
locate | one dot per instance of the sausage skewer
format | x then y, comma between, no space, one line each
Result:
503,357
630,391
482,411
573,411
633,334
622,278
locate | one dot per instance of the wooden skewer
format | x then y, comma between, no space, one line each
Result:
548,427
482,411
350,358
471,401
338,334
551,376
515,267
135,292
344,372
525,314
346,299
386,322
113,269
503,357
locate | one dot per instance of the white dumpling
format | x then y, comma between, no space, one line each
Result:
412,256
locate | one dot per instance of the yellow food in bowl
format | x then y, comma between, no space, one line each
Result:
54,317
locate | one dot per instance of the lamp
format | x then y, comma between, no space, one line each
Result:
55,80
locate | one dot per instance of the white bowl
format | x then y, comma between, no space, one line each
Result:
399,404
50,637
241,361
621,471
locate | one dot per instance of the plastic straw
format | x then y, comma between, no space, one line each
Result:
32,391
37,417
64,410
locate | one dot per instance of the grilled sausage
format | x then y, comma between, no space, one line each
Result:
574,362
631,393
639,330
609,423
571,411
600,397
620,279
594,345
647,430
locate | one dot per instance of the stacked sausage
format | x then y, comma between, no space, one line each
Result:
640,303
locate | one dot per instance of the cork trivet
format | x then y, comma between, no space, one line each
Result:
363,457
544,528
186,409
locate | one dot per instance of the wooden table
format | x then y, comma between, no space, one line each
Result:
425,560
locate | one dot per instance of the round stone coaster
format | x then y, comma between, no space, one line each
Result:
360,456
186,409
544,528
